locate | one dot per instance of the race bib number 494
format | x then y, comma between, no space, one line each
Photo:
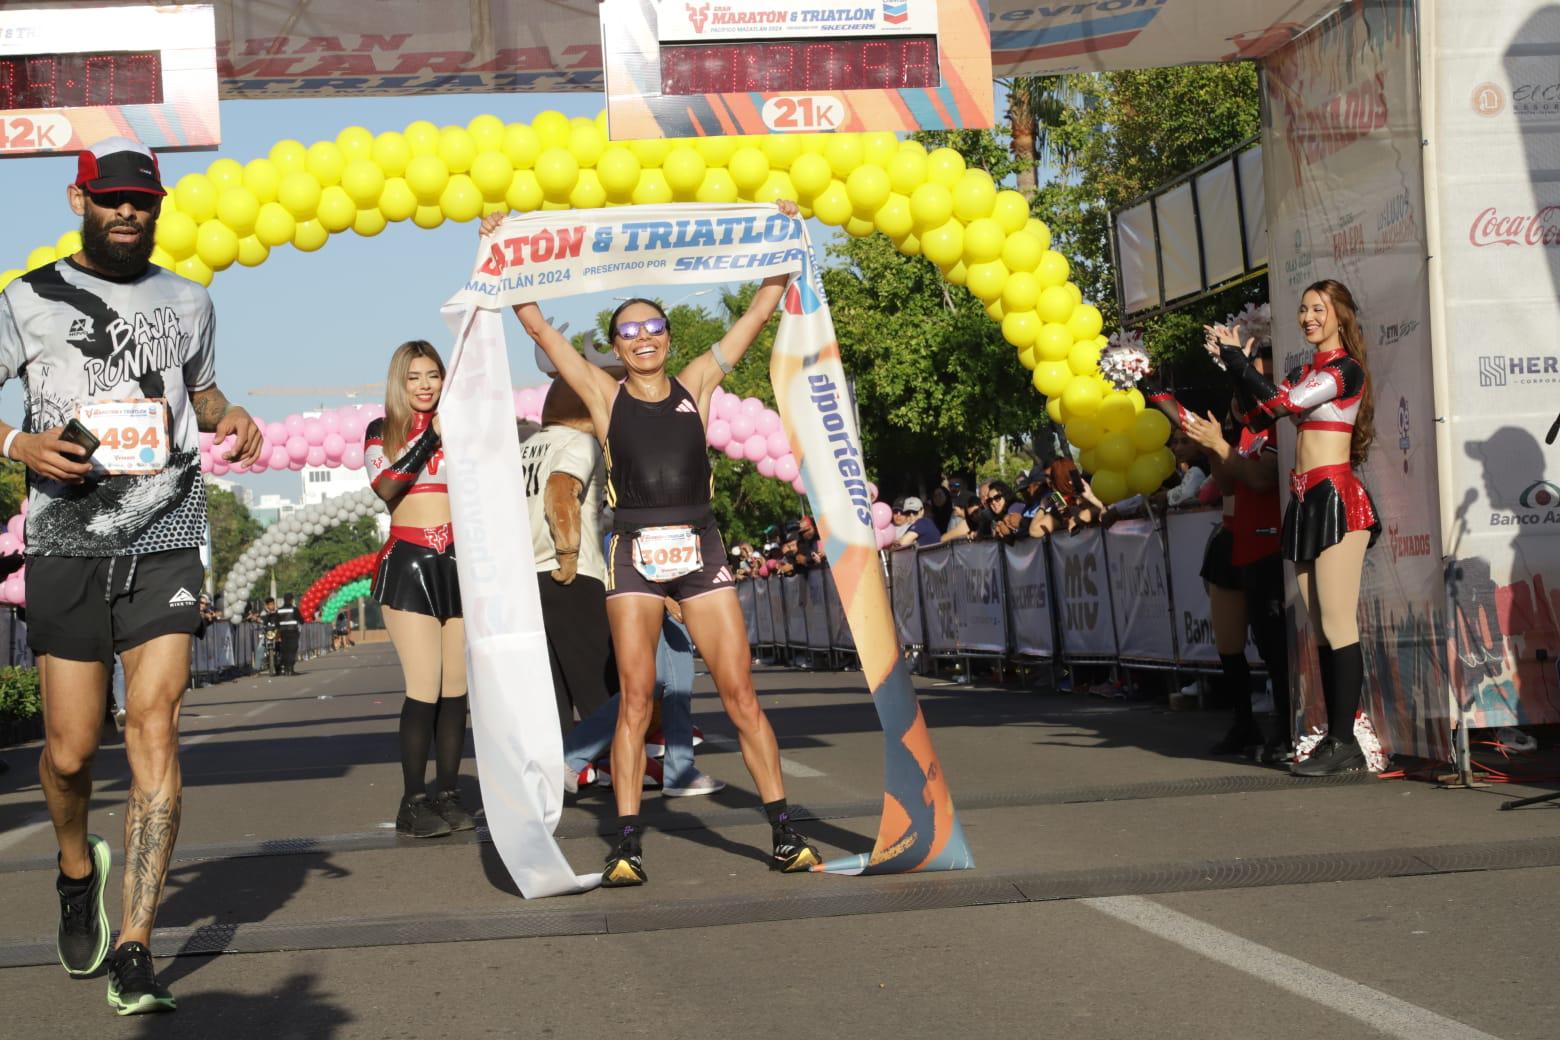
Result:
132,435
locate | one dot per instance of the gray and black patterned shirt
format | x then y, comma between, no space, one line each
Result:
73,336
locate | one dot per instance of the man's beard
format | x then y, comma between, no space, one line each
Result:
115,258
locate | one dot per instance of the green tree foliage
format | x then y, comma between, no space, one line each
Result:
303,568
13,487
232,529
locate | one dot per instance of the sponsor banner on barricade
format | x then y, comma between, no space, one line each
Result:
1032,628
839,625
764,609
939,597
981,619
1140,591
905,584
793,591
746,599
1186,535
1082,594
816,604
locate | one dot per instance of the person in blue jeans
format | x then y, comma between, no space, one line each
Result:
674,685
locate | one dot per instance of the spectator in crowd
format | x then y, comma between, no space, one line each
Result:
920,531
1179,492
287,624
939,506
208,613
808,552
977,519
901,519
1007,512
341,637
958,528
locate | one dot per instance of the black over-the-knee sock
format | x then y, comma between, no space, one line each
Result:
1348,667
1237,683
1324,663
449,741
417,719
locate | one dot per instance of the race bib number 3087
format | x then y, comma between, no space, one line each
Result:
133,435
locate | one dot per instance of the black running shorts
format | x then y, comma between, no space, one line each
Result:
89,608
623,579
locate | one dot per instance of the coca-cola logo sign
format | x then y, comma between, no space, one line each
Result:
1493,228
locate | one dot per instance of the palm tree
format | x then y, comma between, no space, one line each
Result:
1036,108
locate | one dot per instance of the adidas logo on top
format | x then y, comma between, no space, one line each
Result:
182,598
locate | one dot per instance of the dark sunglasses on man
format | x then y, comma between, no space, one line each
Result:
630,329
144,201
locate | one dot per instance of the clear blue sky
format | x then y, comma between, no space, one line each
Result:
327,319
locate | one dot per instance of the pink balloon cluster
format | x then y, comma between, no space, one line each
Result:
882,522
332,438
13,590
744,428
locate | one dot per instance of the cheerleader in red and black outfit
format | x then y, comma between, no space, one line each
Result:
1330,521
416,585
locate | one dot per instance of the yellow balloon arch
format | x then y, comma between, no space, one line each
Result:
927,203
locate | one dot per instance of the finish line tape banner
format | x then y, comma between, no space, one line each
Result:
540,256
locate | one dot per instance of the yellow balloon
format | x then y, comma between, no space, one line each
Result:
1053,343
1164,461
1026,357
40,257
160,257
843,153
944,166
1051,378
69,244
289,156
524,194
460,200
984,280
1020,328
224,174
833,206
652,189
717,151
238,208
618,170
300,194
325,162
175,233
1084,358
1085,321
1055,303
910,245
1011,210
1136,397
858,228
879,146
1110,486
275,225
194,269
252,252
868,188
309,235
995,311
216,245
943,245
1021,252
1087,462
422,137
1053,408
487,132
1143,475
355,142
749,169
586,143
492,173
398,201
893,217
955,275
1116,413
262,180
982,240
1082,394
1084,433
557,171
1150,430
931,206
781,150
428,217
391,153
811,175
522,145
652,153
363,181
907,170
1022,291
684,168
196,196
717,187
1075,292
776,186
588,192
974,195
1036,227
369,222
1053,268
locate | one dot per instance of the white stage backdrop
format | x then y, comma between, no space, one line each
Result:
1082,594
1494,131
982,625
1029,600
939,598
1345,200
1140,591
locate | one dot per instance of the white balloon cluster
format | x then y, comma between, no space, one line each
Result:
286,535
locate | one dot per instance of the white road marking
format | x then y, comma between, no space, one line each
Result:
787,766
1378,1010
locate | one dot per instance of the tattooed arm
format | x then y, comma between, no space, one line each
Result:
214,415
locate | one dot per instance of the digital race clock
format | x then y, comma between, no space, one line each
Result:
72,76
679,68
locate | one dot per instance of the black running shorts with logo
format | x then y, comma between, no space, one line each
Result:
624,579
89,608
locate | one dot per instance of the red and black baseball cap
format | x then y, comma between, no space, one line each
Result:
118,164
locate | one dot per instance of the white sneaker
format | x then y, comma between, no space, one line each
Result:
573,781
702,783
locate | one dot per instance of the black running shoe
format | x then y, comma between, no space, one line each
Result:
793,854
419,819
625,866
133,988
83,935
1329,757
447,804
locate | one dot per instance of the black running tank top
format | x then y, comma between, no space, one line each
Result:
658,469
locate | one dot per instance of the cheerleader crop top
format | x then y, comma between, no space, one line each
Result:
1324,393
420,466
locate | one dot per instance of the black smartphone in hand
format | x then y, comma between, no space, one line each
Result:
76,432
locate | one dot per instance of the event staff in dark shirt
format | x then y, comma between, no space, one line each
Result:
287,646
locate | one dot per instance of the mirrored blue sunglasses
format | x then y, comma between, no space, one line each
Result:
630,329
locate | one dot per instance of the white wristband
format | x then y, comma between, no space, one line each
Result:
5,449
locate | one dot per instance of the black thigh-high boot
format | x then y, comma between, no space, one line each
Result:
1235,677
